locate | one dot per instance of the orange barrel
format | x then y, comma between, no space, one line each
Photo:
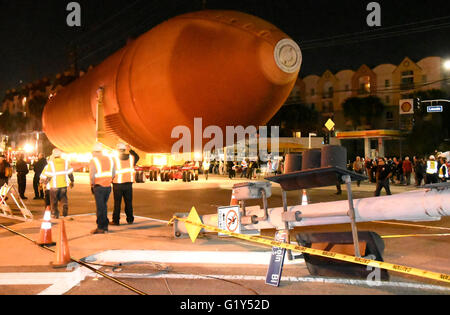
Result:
228,68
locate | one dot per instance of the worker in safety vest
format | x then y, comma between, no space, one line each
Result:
45,185
443,170
101,174
432,170
56,176
124,163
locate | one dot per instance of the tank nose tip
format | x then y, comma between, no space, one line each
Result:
288,55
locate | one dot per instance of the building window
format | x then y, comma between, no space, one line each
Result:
407,80
387,83
330,107
328,90
389,116
364,85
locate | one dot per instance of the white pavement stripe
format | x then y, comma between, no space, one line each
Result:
404,285
187,257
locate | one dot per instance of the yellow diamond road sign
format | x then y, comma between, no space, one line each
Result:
330,124
193,230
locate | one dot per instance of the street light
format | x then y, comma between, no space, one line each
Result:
447,65
311,135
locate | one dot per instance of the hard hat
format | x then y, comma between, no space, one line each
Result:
56,153
432,157
121,146
98,147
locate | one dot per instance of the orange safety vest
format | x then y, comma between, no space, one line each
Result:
124,170
104,170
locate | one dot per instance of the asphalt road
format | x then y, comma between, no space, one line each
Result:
427,246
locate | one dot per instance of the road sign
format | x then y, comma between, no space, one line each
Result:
435,109
229,219
330,124
273,276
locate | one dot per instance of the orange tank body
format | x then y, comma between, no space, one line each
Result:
226,67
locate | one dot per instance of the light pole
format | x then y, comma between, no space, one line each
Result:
311,135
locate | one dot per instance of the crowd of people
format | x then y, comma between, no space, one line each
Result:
244,169
385,171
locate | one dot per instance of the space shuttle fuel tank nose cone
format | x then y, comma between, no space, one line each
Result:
288,55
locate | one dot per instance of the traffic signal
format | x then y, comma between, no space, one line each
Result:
326,139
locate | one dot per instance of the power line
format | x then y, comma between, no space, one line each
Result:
374,30
327,43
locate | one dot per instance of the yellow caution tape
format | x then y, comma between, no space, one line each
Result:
357,260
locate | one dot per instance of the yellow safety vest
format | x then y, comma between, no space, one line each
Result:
124,170
58,170
432,167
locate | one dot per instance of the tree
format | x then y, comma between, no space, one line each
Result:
295,117
363,110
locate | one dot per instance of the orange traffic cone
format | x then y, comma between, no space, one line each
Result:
234,201
45,235
304,198
62,248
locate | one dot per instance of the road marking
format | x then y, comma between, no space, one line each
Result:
187,257
404,285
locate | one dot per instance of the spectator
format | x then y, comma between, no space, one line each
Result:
419,171
22,171
384,173
358,167
5,171
407,170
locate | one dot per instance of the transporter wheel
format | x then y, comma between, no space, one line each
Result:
184,177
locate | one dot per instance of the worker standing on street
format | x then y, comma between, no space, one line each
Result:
22,171
123,184
56,175
101,174
38,169
432,170
443,170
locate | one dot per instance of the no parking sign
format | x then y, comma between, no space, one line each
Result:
229,219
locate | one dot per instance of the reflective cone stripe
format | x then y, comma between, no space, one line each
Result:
62,248
45,235
304,198
234,201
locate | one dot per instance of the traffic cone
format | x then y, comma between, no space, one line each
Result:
45,235
234,201
62,248
304,198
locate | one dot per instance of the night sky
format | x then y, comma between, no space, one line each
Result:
35,39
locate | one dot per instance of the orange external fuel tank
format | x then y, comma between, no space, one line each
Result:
226,67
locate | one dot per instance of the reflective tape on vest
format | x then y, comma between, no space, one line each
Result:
100,173
121,171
